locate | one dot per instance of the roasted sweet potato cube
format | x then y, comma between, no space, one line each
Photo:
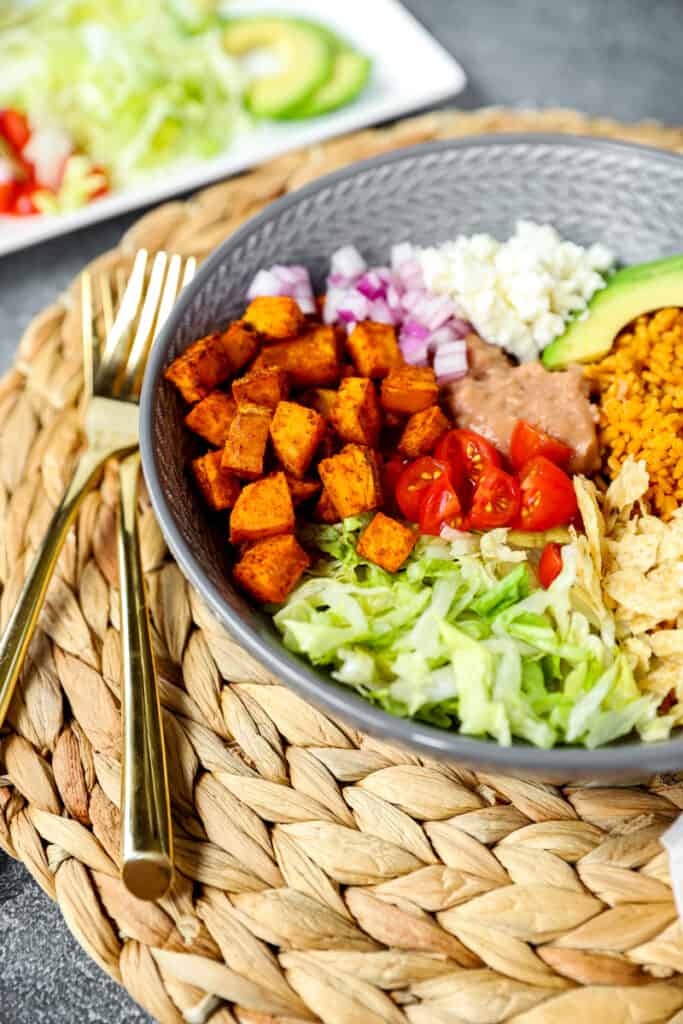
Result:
211,418
422,431
245,447
352,481
296,432
200,368
220,488
374,349
242,343
324,511
261,387
408,389
356,415
275,316
302,490
270,569
386,542
313,360
322,400
263,509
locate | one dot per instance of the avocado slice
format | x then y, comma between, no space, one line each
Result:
350,74
304,54
628,293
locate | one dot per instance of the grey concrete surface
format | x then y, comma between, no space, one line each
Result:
613,57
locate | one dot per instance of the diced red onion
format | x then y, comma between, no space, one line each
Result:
412,329
348,263
265,283
291,275
356,307
393,298
379,312
371,285
415,352
450,361
292,281
411,276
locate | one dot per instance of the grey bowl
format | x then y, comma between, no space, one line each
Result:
629,197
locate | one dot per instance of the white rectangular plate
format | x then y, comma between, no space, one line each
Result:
411,70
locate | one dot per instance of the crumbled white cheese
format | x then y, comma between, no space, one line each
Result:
517,294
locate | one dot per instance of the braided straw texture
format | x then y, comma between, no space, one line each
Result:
322,875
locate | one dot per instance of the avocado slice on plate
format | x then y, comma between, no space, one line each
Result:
303,54
350,74
628,293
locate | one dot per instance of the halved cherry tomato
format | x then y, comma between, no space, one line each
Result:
104,187
475,452
440,507
496,499
548,497
8,191
550,565
14,127
527,442
23,203
449,450
414,481
391,471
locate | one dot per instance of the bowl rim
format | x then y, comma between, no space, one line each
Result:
305,680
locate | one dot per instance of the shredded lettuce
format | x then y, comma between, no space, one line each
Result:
134,83
463,637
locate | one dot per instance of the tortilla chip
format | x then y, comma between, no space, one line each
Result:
657,595
593,522
667,642
628,487
639,653
632,551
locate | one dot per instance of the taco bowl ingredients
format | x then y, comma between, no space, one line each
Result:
386,542
517,294
245,447
263,509
414,480
630,293
422,432
468,454
528,441
439,507
556,403
550,564
219,487
640,389
408,389
496,500
351,480
547,496
459,639
211,418
271,568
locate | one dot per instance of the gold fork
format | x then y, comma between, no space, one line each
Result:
112,381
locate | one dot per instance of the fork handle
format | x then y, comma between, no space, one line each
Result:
21,624
146,837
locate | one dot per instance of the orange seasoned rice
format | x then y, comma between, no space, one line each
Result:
640,384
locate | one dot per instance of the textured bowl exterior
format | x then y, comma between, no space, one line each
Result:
628,197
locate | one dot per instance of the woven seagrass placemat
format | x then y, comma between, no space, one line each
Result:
322,874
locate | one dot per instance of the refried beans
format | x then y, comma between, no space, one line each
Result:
495,394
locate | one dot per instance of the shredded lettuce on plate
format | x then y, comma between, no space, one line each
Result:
464,638
137,84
